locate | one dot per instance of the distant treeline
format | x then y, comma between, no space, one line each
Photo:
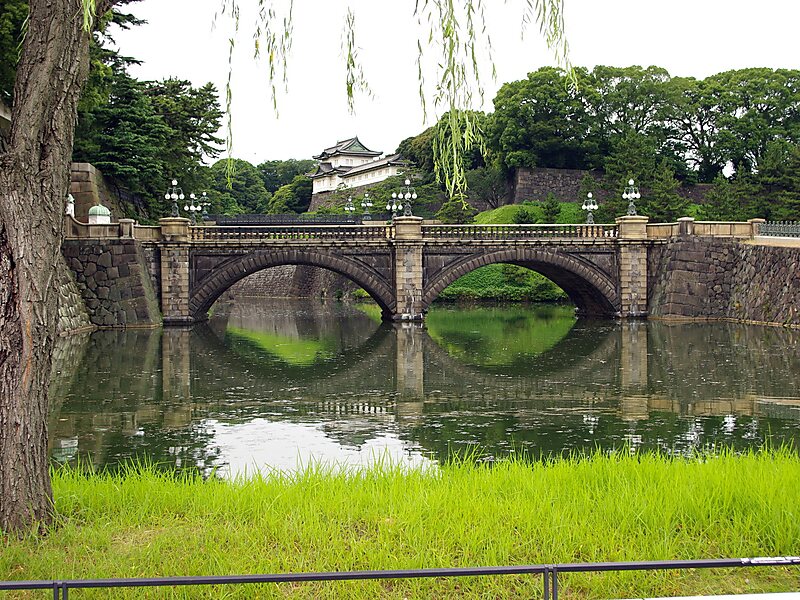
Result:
739,129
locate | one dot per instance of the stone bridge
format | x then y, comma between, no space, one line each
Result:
173,272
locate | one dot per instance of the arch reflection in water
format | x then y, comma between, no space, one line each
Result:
274,385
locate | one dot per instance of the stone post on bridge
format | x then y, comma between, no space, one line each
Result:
408,268
175,271
632,265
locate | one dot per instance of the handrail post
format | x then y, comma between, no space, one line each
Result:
755,227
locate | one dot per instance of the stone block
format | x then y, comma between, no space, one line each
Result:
112,272
89,269
104,260
124,270
102,292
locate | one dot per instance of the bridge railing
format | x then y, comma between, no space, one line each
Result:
289,232
518,232
779,228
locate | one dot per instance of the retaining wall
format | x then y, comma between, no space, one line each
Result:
114,282
713,278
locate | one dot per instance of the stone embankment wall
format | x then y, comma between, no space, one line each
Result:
535,184
714,278
72,314
294,281
114,282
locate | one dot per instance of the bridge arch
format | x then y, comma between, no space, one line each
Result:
592,291
211,287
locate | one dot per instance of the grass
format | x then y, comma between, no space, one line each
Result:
502,283
601,508
570,213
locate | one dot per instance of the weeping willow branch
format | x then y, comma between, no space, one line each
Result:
457,43
355,81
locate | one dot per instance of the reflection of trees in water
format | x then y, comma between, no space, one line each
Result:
651,385
111,406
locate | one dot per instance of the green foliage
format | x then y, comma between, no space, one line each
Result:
142,134
569,212
525,215
551,208
779,182
277,173
456,211
458,144
663,204
430,196
722,202
503,283
127,141
244,193
294,197
618,506
487,185
419,150
542,121
12,19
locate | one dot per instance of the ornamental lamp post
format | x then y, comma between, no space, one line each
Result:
175,193
394,205
348,206
366,204
631,193
408,194
589,205
192,209
203,203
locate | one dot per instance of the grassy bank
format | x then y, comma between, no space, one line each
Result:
604,508
502,283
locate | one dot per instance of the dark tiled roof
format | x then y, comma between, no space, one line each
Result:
326,168
349,146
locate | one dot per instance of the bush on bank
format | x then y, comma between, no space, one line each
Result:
619,507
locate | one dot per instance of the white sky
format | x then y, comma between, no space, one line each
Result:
688,37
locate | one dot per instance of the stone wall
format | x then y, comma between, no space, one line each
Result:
714,278
88,187
72,313
535,184
113,280
294,281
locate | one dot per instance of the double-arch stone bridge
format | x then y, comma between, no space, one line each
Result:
403,266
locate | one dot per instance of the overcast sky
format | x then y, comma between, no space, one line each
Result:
688,37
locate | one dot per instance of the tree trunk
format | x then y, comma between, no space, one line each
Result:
34,178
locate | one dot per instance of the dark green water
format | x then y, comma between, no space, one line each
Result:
277,384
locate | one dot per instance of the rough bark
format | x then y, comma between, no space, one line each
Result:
34,179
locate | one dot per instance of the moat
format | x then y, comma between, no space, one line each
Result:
276,384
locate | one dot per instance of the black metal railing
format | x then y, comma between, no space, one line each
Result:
780,228
550,573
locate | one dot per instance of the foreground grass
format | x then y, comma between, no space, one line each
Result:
601,508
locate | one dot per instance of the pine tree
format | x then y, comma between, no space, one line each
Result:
663,204
551,208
